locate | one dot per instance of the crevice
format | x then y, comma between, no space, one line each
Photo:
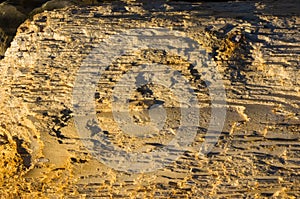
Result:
22,151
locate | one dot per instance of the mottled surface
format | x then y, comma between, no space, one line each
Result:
256,49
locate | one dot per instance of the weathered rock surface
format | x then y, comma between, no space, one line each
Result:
15,12
256,51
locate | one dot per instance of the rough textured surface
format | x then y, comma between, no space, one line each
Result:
15,12
256,48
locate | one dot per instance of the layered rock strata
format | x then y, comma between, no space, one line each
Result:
256,51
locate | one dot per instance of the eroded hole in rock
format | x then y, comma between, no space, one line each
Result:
60,122
23,152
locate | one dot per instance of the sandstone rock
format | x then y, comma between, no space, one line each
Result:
256,55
